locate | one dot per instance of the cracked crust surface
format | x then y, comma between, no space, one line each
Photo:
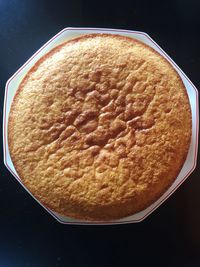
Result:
100,127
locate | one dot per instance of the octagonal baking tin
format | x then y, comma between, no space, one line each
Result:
66,34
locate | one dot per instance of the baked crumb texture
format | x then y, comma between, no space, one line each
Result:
100,127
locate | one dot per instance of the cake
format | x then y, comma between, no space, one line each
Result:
99,127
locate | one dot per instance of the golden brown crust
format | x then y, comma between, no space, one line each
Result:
100,127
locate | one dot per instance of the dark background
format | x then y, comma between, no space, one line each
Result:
29,236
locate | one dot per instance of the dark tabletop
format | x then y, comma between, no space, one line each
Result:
29,236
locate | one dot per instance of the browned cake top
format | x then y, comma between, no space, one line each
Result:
100,127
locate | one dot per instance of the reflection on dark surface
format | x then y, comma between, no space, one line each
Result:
28,235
